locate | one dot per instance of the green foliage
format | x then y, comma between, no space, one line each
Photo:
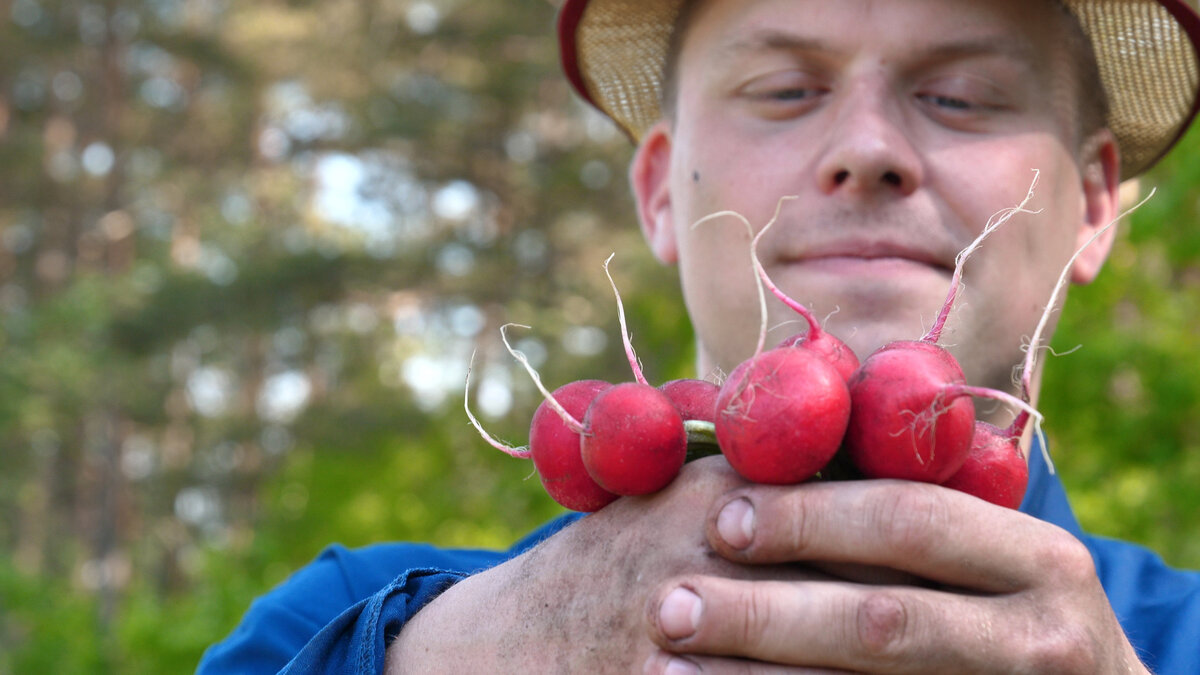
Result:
47,627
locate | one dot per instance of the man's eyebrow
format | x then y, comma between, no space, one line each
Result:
770,39
773,40
985,45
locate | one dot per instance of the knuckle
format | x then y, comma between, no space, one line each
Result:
801,523
755,616
1069,560
881,625
910,520
1066,650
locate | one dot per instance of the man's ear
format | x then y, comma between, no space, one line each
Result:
1101,175
650,176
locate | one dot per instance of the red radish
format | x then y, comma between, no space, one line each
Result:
995,468
697,404
634,443
556,453
781,416
903,422
695,399
911,414
632,439
928,446
782,413
554,447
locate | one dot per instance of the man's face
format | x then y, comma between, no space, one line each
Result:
901,127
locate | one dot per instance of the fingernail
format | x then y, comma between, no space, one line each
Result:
735,523
679,613
678,666
669,664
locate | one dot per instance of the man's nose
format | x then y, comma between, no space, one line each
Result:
868,151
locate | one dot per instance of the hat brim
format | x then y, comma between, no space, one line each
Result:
1147,51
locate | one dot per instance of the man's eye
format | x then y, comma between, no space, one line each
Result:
948,102
792,94
787,86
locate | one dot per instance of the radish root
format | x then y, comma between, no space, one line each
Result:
1002,396
924,424
521,452
762,296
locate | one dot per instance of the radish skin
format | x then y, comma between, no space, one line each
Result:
994,469
903,421
695,399
781,416
556,449
635,442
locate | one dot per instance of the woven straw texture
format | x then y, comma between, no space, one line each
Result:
1147,62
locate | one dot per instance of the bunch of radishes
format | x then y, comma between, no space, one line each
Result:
592,441
784,415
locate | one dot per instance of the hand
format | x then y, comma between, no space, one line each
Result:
1003,592
576,603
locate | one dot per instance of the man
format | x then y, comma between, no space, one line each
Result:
900,126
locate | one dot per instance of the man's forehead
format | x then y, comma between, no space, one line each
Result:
806,39
735,28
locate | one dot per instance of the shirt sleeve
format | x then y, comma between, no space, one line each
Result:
338,614
356,641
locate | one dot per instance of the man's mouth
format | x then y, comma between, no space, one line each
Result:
871,257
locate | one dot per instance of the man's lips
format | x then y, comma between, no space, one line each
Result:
882,255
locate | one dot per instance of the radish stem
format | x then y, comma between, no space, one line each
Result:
814,327
626,338
999,218
1031,351
1034,347
996,395
762,296
568,419
761,274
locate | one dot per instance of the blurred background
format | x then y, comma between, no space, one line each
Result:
247,249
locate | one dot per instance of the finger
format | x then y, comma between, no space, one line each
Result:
666,663
924,530
867,574
832,625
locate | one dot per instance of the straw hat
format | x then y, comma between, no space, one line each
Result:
1148,52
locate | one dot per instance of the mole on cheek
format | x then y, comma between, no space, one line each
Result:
695,176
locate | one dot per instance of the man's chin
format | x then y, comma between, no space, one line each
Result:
887,307
866,334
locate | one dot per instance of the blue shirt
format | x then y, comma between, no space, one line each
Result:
338,614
